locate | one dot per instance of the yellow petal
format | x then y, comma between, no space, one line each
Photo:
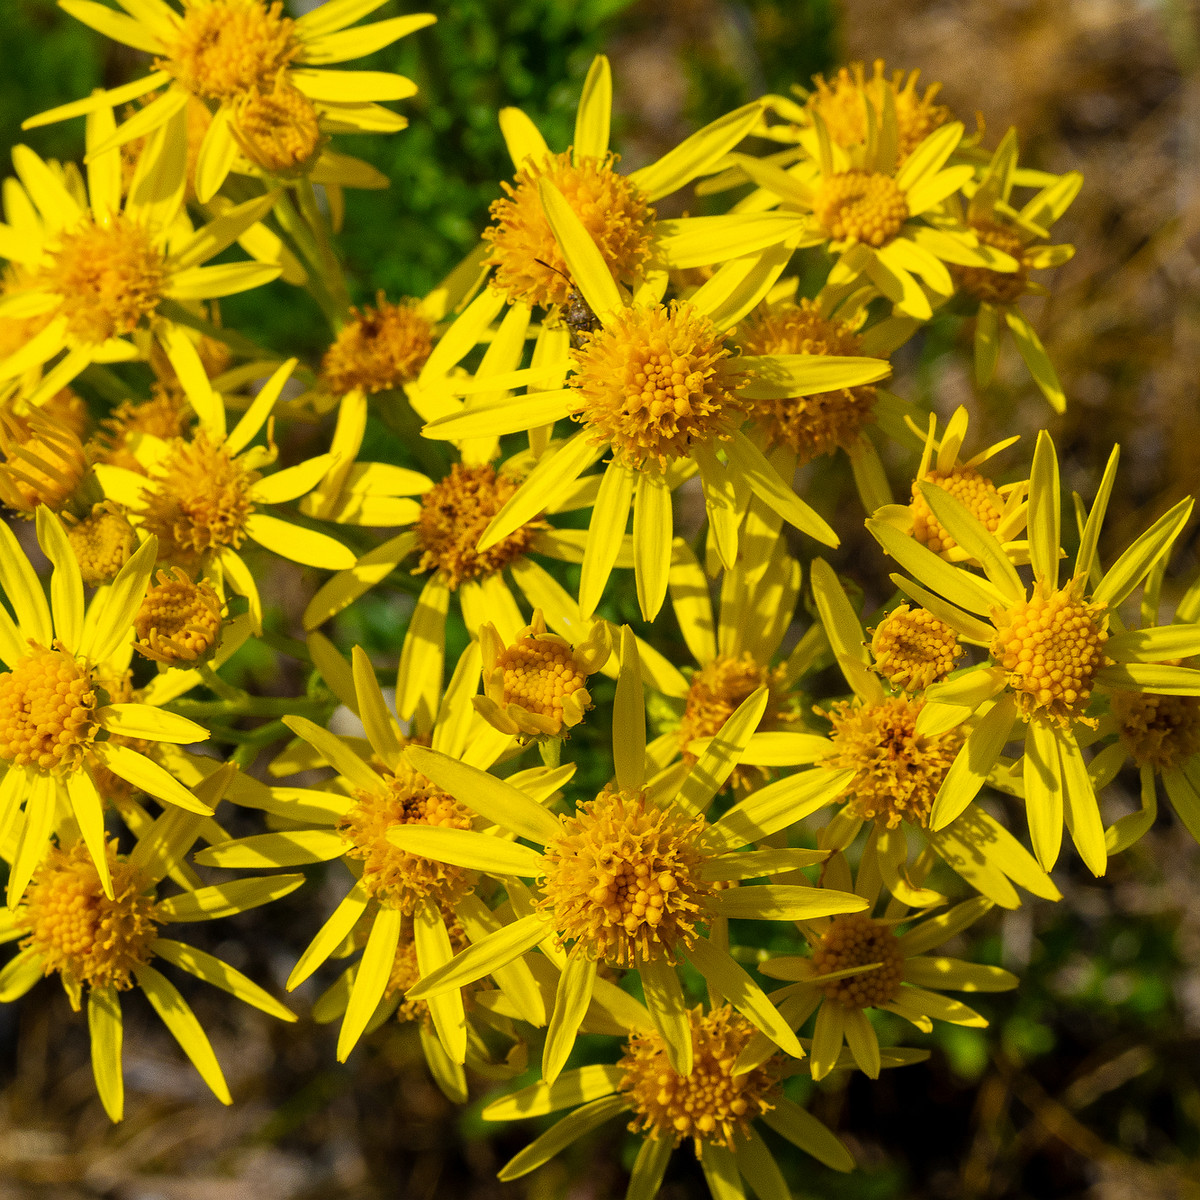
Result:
331,935
432,941
423,655
210,283
653,523
585,263
227,899
217,154
494,799
298,544
112,98
148,776
187,1031
594,114
220,974
697,154
146,722
374,970
352,86
105,1030
477,851
668,1010
522,137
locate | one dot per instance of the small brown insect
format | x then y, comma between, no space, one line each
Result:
577,314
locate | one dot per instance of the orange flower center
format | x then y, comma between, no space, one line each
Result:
79,931
454,514
109,277
712,1104
47,710
623,879
898,770
226,48
1051,646
855,941
392,876
809,425
380,348
913,649
860,206
610,207
655,381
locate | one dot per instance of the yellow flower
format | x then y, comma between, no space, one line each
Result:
859,962
1017,233
44,463
535,686
101,929
445,522
100,270
892,768
379,791
1156,732
56,719
734,653
883,214
657,387
179,620
615,210
249,64
1049,649
383,347
713,1105
843,104
821,423
1002,510
627,879
202,498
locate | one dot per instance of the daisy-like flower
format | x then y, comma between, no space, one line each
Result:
535,687
56,719
44,463
851,105
1018,234
179,620
897,768
99,269
858,962
1157,733
102,929
1049,650
657,388
446,520
378,790
261,74
712,1105
1001,509
202,497
626,880
825,422
531,267
884,218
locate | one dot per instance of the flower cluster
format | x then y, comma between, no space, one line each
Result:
601,390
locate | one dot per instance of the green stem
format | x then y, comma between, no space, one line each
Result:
551,751
335,279
252,706
215,683
300,240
